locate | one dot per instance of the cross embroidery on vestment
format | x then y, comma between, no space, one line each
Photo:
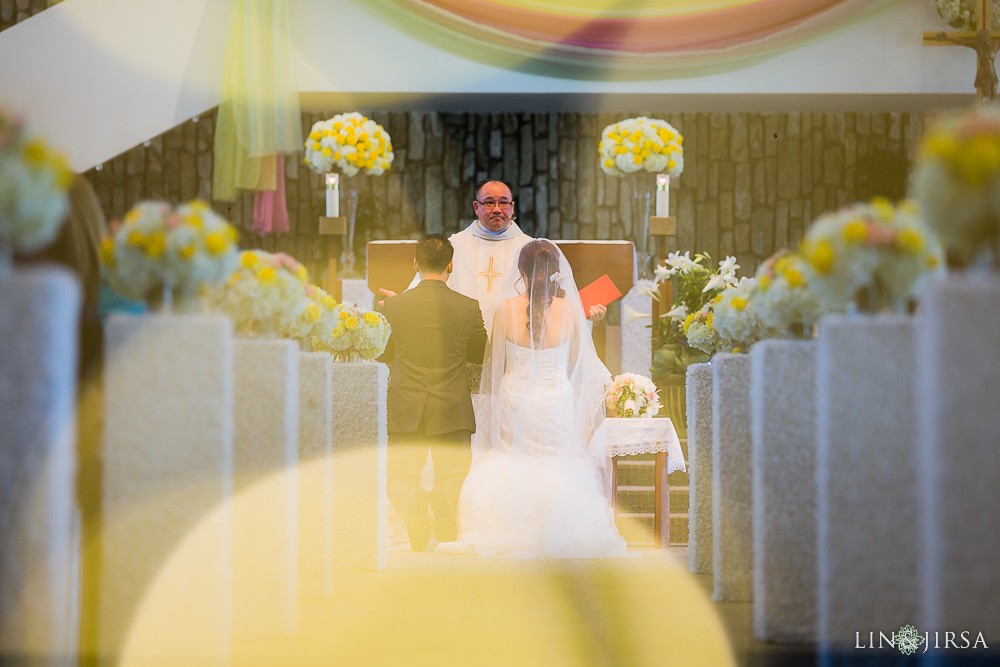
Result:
490,274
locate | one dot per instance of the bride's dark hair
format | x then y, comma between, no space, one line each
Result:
538,261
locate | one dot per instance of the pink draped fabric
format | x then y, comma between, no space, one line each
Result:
270,212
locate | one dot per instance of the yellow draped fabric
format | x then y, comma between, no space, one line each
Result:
259,115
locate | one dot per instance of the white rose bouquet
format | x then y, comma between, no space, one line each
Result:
641,144
181,250
266,296
632,395
956,180
350,143
34,181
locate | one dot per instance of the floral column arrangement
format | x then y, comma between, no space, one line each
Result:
957,182
169,386
39,320
635,148
351,144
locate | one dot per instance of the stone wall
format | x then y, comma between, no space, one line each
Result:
752,182
13,12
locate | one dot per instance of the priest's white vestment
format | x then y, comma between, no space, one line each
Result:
483,263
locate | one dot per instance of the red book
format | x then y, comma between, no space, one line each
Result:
600,292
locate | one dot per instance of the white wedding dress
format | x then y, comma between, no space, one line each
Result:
542,498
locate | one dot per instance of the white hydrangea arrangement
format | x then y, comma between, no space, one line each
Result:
349,143
34,181
783,300
266,295
632,396
162,249
317,319
735,317
641,144
357,333
956,180
871,245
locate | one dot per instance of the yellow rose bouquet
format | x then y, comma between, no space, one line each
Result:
956,180
876,246
265,296
34,181
357,334
170,252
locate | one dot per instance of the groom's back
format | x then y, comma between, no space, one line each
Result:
434,331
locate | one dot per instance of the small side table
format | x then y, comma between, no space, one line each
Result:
628,437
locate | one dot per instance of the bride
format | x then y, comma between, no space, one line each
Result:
535,489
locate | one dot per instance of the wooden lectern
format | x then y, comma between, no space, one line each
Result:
390,266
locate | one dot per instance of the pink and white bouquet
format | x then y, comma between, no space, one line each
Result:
632,395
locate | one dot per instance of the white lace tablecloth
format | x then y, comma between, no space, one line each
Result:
628,437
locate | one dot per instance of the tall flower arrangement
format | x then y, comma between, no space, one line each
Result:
34,181
161,249
876,246
350,143
641,144
957,183
265,296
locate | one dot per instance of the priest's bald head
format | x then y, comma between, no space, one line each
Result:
493,205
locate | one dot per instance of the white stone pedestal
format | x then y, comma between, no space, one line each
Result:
168,450
732,501
866,477
316,473
958,394
39,315
699,421
265,538
783,407
360,440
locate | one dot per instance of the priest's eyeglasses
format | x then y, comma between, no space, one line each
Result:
491,203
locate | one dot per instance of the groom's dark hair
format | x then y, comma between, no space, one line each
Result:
434,252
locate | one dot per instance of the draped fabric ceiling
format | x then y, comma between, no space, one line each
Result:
634,38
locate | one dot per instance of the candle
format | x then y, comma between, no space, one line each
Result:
662,195
333,195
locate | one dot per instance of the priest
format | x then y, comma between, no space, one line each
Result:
486,251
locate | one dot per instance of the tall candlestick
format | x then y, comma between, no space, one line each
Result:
333,195
662,195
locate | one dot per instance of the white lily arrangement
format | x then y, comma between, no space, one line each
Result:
641,144
34,181
349,142
158,248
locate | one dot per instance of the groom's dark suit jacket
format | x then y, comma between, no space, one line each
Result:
434,332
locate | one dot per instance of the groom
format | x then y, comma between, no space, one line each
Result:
434,332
